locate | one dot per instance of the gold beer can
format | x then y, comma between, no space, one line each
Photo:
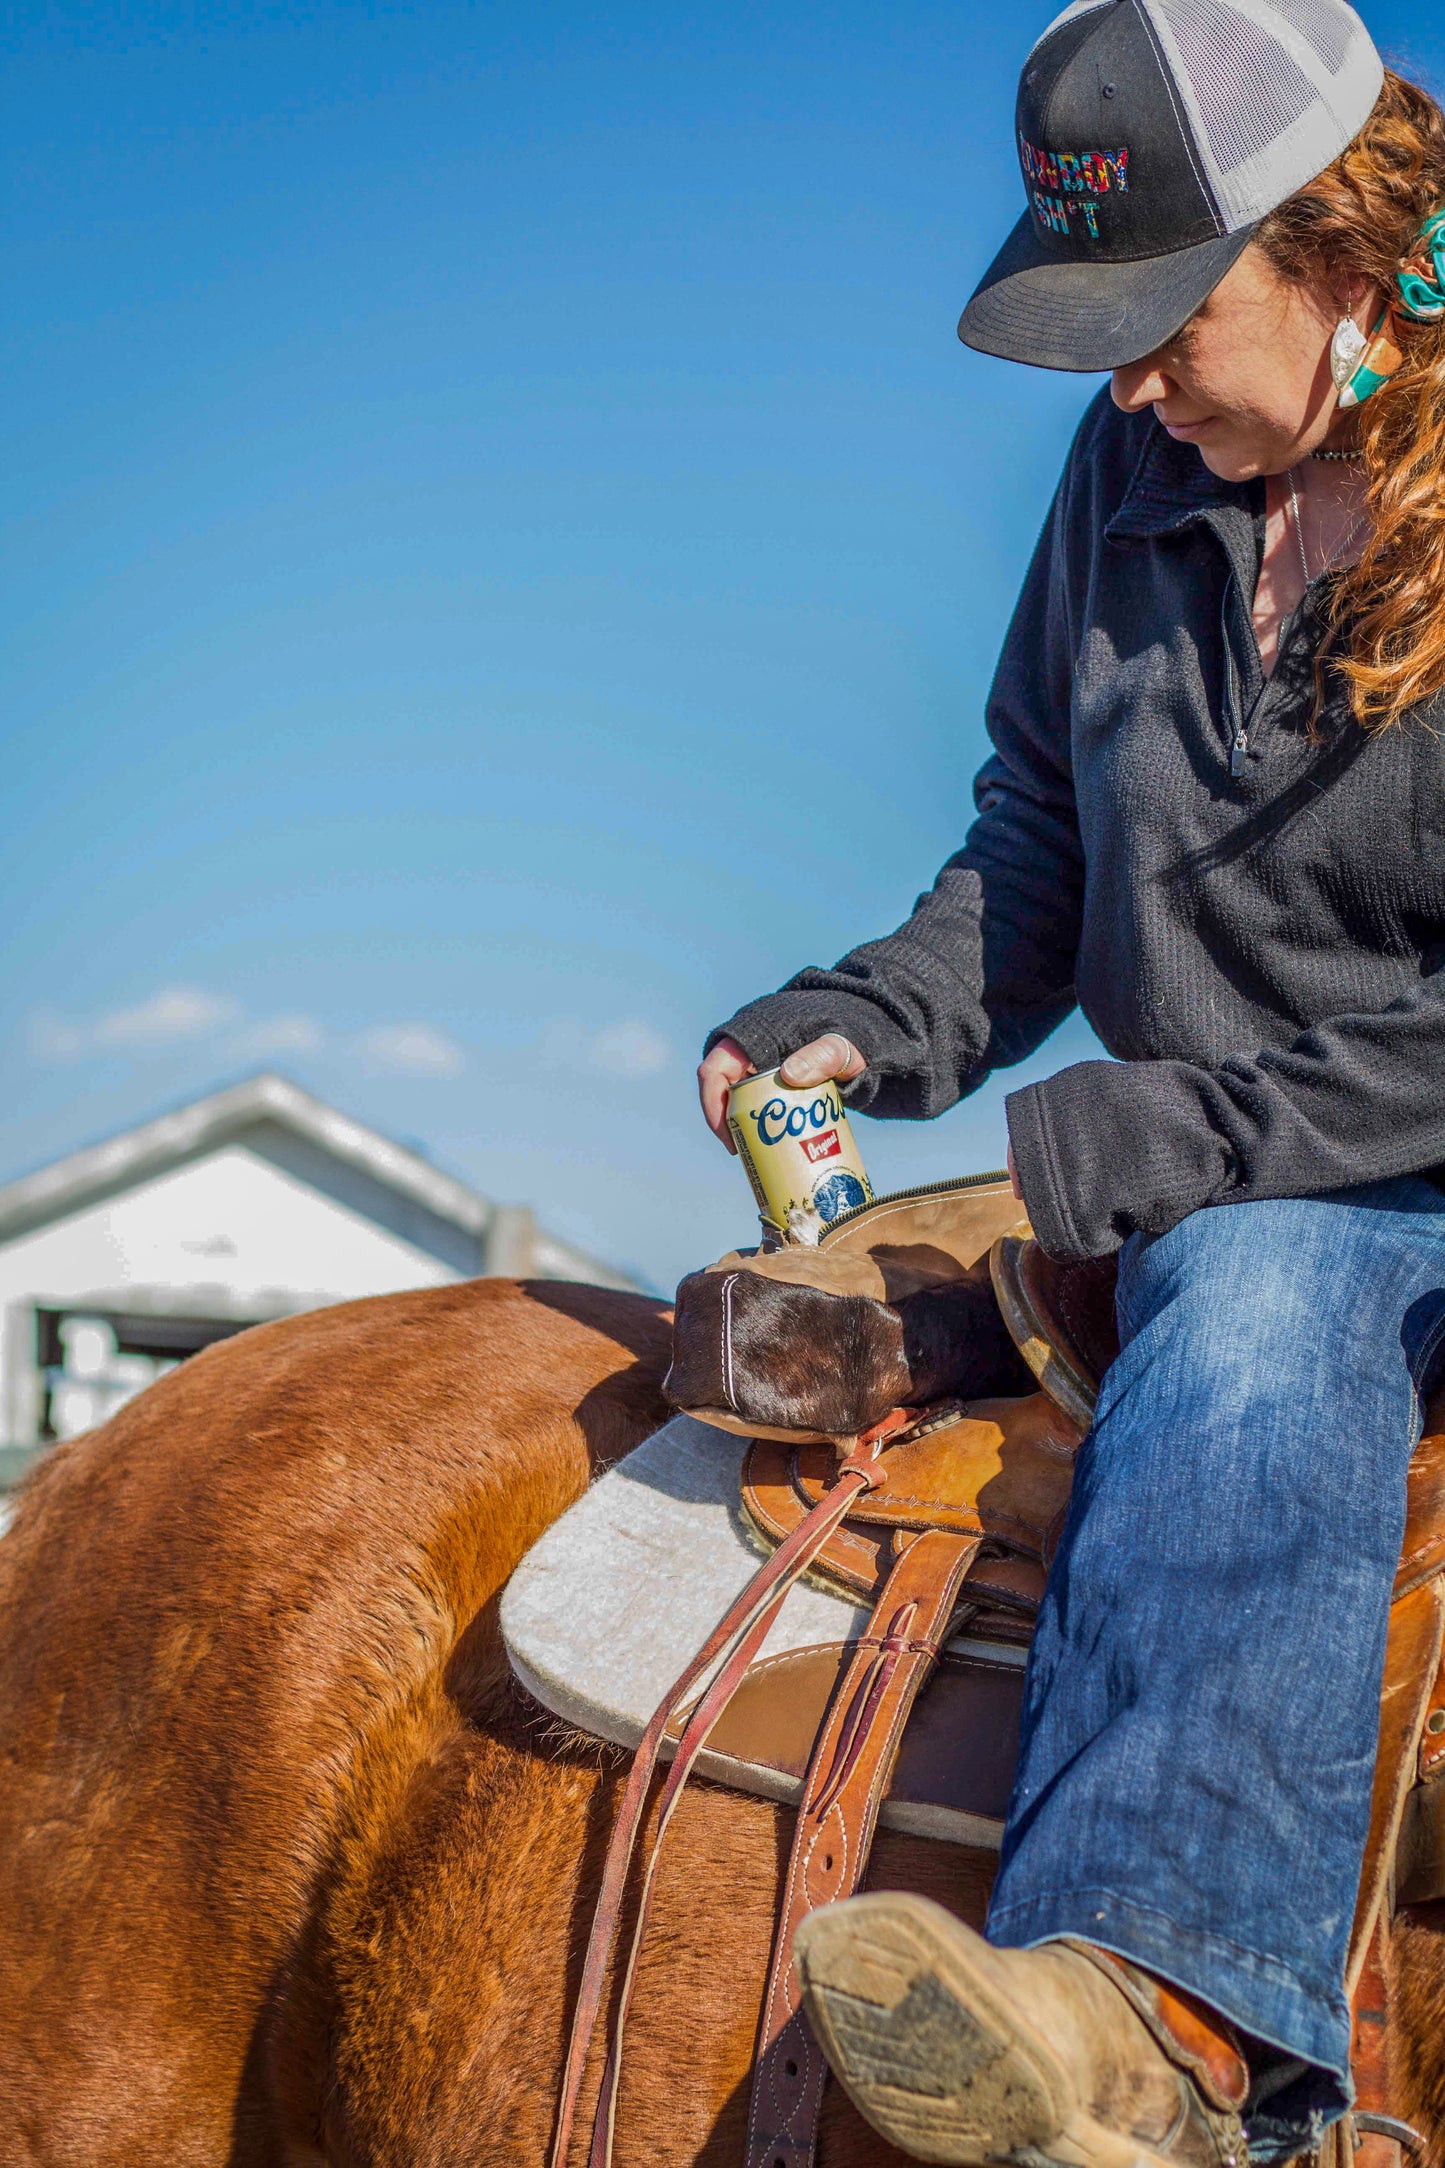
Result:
797,1147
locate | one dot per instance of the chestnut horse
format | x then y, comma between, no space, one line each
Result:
290,1872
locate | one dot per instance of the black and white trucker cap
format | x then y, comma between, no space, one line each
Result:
1153,136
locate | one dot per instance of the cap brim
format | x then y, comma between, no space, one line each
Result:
1060,313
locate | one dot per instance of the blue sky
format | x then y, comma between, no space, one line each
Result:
504,555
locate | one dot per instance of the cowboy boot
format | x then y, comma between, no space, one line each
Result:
957,2051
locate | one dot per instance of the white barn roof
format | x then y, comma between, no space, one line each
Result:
357,1166
252,1203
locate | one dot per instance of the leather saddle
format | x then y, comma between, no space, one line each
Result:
960,1365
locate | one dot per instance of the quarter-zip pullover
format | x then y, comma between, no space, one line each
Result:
1251,916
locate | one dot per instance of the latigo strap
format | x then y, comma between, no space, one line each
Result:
846,1780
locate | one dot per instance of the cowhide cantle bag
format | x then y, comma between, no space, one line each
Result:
895,1307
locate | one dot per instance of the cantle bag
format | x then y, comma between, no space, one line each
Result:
895,1307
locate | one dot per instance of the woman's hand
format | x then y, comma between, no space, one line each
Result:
820,1061
720,1068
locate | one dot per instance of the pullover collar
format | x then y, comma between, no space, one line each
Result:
1171,488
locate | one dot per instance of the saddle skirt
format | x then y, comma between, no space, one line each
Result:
605,1610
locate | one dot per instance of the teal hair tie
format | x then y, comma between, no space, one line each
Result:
1364,364
1421,277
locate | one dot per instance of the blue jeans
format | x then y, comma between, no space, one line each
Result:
1202,1697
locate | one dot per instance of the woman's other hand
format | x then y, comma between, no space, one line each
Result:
818,1062
720,1068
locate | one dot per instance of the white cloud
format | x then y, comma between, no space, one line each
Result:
628,1048
415,1049
293,1034
51,1038
175,1012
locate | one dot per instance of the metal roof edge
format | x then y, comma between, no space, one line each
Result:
170,1139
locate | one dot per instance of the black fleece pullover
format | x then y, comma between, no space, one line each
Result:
1251,917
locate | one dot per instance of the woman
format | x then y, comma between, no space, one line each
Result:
1215,817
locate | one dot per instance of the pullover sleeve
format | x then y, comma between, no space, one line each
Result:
1109,1149
983,969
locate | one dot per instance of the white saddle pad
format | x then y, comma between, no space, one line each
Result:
613,1603
606,1612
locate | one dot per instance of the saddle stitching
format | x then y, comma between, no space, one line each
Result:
882,1212
888,1651
729,1386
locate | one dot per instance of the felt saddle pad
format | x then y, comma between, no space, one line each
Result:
606,1611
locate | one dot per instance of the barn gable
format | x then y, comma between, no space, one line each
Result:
252,1203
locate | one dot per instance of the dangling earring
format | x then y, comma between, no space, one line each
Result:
1360,365
1345,350
1376,362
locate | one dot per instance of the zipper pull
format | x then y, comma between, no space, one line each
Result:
1238,750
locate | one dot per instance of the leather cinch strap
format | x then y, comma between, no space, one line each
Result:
846,1780
733,1644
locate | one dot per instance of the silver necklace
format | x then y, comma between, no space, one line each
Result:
1352,459
1299,534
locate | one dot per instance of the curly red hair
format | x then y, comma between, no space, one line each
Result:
1359,217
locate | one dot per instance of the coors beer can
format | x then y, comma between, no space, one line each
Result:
799,1154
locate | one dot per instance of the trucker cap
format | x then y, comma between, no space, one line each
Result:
1153,136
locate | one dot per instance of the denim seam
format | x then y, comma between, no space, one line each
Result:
1269,1965
1124,1316
1421,1365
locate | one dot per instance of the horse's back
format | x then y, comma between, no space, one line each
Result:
234,1623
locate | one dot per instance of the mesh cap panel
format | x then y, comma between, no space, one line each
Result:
1275,89
1219,46
1324,28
